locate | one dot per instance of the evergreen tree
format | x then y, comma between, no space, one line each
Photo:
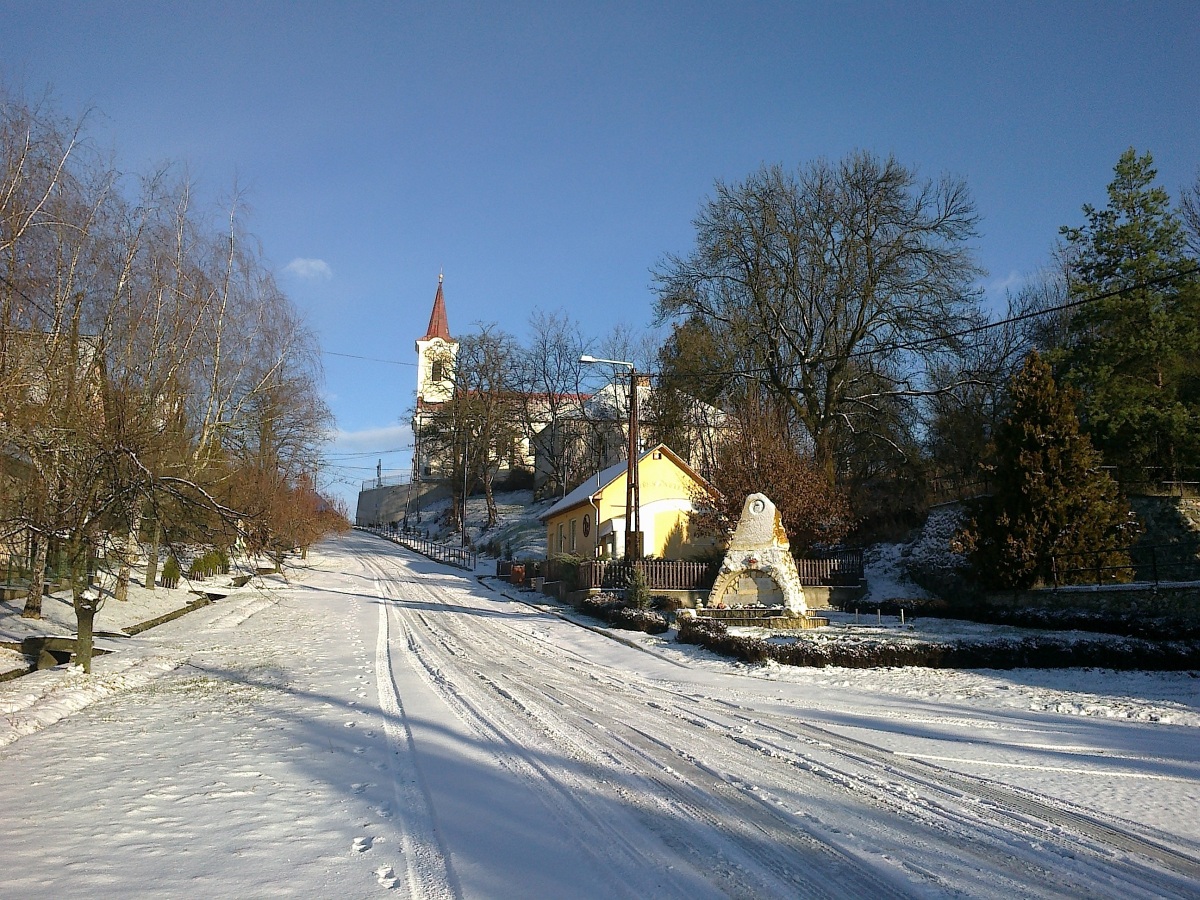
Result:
1053,509
1133,355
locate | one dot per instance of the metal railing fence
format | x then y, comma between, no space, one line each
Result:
462,557
1159,564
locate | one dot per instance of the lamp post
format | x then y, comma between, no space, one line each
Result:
633,500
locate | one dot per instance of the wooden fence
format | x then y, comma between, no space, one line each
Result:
661,574
841,568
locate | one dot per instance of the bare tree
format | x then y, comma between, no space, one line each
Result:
550,378
828,288
1189,209
480,427
144,366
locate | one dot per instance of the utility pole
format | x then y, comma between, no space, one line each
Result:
633,499
633,494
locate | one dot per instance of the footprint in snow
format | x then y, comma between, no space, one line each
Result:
362,844
386,876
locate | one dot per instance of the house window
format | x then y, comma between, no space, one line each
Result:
574,522
562,537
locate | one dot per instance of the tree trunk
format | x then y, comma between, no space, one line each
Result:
37,581
152,559
493,517
85,616
121,591
86,603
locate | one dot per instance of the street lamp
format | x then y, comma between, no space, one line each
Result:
633,500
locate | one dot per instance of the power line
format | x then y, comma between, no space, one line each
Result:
362,453
965,332
390,362
26,297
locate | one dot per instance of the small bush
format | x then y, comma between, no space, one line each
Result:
666,604
1043,652
600,606
170,573
644,620
637,592
620,614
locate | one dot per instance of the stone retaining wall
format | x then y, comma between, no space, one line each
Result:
1164,601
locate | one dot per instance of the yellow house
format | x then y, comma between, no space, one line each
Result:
590,520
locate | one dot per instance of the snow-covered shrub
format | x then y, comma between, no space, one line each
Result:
600,605
618,613
858,652
934,560
644,620
665,603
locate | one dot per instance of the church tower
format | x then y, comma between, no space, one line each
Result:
436,352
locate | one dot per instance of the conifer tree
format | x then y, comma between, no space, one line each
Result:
1132,355
1054,512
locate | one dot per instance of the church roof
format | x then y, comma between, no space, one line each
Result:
438,326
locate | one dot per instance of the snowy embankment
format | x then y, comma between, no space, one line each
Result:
142,605
1147,696
39,699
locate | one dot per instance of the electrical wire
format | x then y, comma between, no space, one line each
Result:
390,362
965,332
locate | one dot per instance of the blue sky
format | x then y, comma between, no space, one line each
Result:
549,154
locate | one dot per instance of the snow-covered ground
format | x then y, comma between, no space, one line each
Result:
518,530
384,723
58,613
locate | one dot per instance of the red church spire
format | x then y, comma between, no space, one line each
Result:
438,326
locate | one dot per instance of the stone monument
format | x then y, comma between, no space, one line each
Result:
758,569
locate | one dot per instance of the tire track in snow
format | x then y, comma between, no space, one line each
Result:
623,866
1027,837
1022,824
1010,802
428,872
1008,818
1012,805
743,846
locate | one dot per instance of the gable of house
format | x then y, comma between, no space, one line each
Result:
590,520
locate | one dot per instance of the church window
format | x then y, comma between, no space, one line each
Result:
439,370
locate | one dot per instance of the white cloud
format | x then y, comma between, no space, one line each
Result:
998,288
372,440
309,269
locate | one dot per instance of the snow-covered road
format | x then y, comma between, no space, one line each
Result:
387,724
